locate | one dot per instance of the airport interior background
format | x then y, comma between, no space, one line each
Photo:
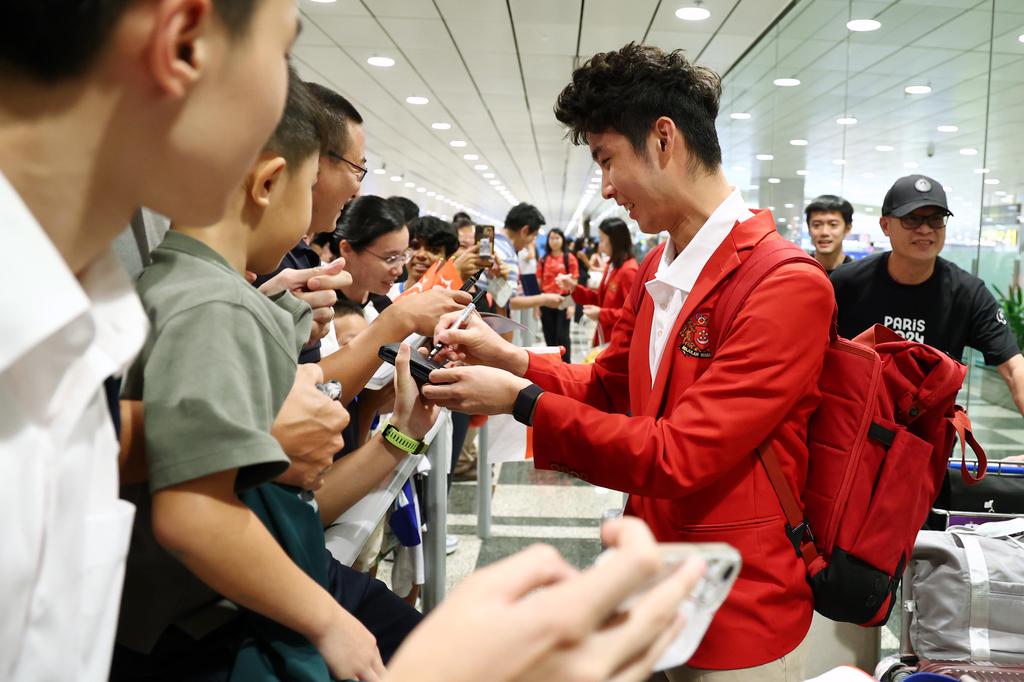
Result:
819,96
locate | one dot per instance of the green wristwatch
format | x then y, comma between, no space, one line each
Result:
403,441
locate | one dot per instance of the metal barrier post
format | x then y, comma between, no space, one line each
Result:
483,486
439,454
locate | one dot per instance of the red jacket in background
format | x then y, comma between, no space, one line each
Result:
683,444
616,284
553,266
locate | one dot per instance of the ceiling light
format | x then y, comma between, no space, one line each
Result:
788,205
787,82
500,188
765,157
846,121
470,157
803,172
488,176
991,181
410,184
774,181
1001,193
917,89
910,164
739,116
692,13
441,126
884,148
839,162
416,99
1020,38
968,151
948,129
383,62
798,143
868,209
495,183
421,189
480,166
863,25
379,171
981,171
431,194
396,178
457,143
325,1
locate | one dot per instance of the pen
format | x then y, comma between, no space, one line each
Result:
466,312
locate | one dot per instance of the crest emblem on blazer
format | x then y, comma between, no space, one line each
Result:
695,335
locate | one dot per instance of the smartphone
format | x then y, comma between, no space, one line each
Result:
723,567
484,236
419,366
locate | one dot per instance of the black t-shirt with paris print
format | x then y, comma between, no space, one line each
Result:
950,310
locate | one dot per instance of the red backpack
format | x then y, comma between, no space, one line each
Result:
878,443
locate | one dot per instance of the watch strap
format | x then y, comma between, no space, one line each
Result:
403,441
526,404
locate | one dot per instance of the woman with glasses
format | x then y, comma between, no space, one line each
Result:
374,241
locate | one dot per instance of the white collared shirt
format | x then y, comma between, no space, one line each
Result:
63,530
677,274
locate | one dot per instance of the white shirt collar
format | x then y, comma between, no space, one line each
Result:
681,272
41,295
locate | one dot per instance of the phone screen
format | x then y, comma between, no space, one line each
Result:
484,236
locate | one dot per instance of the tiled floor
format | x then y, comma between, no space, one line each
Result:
540,506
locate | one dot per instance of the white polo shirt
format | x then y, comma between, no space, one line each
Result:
677,274
63,531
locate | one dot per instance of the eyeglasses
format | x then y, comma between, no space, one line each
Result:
394,259
357,170
936,221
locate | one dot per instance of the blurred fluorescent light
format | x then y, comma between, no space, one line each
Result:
883,148
968,151
774,181
383,62
416,99
917,89
787,82
457,143
692,13
739,116
846,121
863,25
765,157
441,126
798,143
948,129
470,157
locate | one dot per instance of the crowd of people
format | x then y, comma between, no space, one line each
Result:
173,447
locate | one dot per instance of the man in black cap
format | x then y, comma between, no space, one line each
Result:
921,296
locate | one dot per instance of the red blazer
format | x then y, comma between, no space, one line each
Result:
614,291
686,455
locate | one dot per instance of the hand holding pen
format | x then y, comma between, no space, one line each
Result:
459,321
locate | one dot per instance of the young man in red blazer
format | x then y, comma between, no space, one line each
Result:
669,413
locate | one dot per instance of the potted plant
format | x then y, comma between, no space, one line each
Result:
993,388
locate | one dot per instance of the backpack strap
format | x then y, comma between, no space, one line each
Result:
766,257
965,434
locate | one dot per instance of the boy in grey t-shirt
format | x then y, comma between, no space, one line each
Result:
216,369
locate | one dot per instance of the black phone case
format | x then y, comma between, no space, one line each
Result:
419,366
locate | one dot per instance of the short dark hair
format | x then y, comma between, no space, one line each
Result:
407,207
367,218
626,91
346,306
434,232
335,114
51,40
461,221
524,214
296,136
461,215
830,203
620,239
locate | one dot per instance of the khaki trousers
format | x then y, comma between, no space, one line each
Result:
789,668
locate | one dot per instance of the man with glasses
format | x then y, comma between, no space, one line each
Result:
921,296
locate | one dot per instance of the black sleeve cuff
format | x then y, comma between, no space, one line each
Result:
526,404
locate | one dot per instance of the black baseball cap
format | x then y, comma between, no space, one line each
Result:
912,192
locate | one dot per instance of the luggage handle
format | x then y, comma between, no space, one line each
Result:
965,434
